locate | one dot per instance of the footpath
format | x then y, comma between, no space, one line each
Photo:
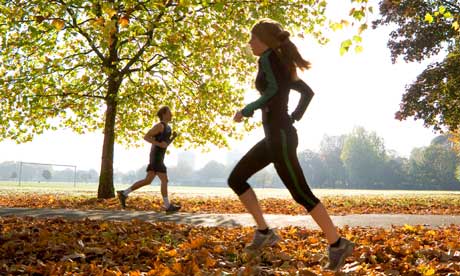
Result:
233,220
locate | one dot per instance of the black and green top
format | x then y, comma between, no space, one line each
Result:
274,83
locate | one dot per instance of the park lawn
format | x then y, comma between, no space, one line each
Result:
56,246
336,205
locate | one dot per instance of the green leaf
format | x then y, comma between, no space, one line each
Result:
362,28
345,46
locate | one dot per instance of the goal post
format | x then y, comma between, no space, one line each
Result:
44,172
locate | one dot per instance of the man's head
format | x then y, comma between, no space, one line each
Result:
164,113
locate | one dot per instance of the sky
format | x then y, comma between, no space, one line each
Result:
352,90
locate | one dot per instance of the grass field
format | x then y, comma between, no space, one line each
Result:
89,188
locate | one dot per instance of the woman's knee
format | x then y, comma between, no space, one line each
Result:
237,184
309,202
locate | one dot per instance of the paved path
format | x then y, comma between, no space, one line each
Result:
229,220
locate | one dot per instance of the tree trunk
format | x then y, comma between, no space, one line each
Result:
106,188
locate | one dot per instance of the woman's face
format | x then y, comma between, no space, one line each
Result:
257,46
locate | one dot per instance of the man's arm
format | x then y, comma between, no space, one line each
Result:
173,136
154,131
306,94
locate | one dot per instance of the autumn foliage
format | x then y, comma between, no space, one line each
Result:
59,246
31,246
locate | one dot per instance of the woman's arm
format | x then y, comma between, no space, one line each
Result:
306,94
270,91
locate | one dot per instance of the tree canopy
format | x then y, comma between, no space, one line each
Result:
109,65
426,28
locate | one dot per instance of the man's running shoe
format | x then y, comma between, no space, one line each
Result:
122,199
172,208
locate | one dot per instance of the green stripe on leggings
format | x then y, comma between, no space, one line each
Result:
291,169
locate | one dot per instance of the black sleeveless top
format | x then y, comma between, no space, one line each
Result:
164,136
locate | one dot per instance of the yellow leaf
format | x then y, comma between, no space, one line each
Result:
110,12
313,240
104,226
442,9
124,21
210,262
177,267
428,18
409,228
167,272
358,49
172,253
198,242
456,26
345,23
58,24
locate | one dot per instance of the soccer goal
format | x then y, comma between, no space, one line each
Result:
41,173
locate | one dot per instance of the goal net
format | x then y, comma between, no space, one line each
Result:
32,173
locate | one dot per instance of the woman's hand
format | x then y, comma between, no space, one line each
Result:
238,117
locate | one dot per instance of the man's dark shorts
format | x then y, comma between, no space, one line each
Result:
157,167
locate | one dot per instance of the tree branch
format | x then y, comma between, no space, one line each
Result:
142,50
85,35
451,4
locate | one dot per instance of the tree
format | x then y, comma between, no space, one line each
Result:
93,65
395,174
46,174
363,156
434,166
263,178
14,175
330,150
212,170
313,168
426,28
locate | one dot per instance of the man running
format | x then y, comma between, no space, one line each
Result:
160,136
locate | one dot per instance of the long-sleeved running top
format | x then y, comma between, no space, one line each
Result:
274,83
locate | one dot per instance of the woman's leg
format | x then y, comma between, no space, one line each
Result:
288,168
255,159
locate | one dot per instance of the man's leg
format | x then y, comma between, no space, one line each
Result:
123,194
164,193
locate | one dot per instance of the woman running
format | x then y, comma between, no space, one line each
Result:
278,61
